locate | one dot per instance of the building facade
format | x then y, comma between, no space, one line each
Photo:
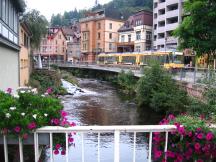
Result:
73,42
167,17
24,37
98,34
53,46
9,43
136,33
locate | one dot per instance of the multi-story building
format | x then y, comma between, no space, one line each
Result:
98,34
136,33
73,41
24,37
9,43
53,46
167,17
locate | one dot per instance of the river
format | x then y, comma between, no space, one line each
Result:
102,104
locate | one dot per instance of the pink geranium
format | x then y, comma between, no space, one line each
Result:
56,152
58,146
32,125
17,129
197,146
158,154
49,90
63,114
71,140
9,90
55,121
200,136
209,136
63,152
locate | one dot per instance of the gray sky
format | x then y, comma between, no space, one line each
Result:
49,7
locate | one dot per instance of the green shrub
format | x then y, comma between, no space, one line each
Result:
157,90
127,81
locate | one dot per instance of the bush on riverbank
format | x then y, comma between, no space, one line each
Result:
157,90
127,82
44,79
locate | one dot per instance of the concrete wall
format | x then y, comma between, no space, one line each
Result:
9,68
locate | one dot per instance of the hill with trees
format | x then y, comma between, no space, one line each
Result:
118,9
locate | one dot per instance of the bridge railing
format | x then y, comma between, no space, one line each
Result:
116,130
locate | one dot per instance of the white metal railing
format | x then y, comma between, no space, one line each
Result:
116,130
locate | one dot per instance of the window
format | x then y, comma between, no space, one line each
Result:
148,35
98,45
138,35
56,42
86,25
110,46
0,9
129,38
11,15
110,26
99,25
6,11
63,49
122,38
59,36
138,49
110,35
148,47
3,10
138,22
25,40
99,35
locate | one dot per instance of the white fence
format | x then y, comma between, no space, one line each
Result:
116,130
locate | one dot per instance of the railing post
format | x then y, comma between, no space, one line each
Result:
116,145
5,148
166,144
83,153
51,147
36,146
134,148
21,149
66,138
150,147
98,147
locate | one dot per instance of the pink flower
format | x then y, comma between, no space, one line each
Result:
63,152
58,146
17,129
49,90
200,136
198,129
170,154
158,154
190,134
9,90
181,130
209,136
197,146
56,152
63,113
32,125
71,140
200,160
171,117
72,124
55,121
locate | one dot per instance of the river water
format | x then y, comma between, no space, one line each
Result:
102,104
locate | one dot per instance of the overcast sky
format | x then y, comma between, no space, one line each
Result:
49,7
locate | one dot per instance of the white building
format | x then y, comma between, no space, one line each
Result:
167,17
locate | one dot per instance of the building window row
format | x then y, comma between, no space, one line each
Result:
9,15
138,35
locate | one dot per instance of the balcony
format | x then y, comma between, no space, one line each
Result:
125,43
83,130
173,13
172,26
170,2
161,5
161,29
161,17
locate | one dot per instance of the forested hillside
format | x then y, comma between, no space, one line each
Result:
119,9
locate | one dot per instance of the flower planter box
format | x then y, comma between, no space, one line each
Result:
43,139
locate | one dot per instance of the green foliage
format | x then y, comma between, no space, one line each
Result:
38,26
117,9
68,77
44,79
28,108
198,28
157,90
127,81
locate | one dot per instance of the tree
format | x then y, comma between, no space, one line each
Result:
38,26
157,90
198,29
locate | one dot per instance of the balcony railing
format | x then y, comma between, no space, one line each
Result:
116,130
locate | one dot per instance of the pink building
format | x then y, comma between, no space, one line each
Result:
53,46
